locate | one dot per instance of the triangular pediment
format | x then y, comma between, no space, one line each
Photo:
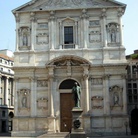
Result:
46,5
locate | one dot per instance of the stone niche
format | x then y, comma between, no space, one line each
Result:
24,38
116,96
24,101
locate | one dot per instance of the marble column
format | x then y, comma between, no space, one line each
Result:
106,95
103,16
87,101
33,30
76,35
6,91
60,34
124,94
12,92
120,13
50,93
16,88
86,87
52,30
17,32
84,18
33,96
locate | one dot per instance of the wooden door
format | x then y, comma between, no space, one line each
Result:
66,105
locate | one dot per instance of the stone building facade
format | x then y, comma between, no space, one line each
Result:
132,91
59,42
6,90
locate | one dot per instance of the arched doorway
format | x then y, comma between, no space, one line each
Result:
134,122
66,105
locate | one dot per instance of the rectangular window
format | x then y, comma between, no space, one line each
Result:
68,35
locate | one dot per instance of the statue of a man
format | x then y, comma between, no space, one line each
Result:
76,94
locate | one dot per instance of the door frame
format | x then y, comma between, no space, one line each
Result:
65,91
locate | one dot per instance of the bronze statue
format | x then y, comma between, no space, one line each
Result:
76,94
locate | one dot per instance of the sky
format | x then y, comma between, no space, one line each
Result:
7,24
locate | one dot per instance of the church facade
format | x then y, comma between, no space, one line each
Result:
58,43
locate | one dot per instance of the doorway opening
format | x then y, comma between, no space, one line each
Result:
66,105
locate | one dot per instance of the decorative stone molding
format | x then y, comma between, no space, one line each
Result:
97,102
116,96
112,33
103,14
42,103
42,83
96,81
84,14
42,38
52,15
106,77
23,99
17,17
32,17
120,12
24,37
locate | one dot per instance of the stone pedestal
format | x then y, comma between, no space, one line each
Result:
77,124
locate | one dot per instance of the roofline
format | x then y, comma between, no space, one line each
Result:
33,1
22,6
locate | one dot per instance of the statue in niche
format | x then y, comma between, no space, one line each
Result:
113,35
24,100
76,94
25,39
116,98
112,32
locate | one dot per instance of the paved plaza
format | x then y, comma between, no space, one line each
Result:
128,136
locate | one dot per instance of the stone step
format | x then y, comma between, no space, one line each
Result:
55,135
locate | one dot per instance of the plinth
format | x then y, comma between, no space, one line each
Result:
77,124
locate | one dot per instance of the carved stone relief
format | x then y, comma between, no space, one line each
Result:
42,103
24,37
97,102
113,33
70,3
96,81
42,83
95,31
24,99
42,36
115,96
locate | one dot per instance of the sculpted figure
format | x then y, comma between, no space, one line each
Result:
76,94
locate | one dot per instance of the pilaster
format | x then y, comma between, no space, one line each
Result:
17,31
86,87
16,81
33,30
33,96
52,30
60,34
84,18
106,94
124,94
120,13
76,34
50,93
6,91
103,16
